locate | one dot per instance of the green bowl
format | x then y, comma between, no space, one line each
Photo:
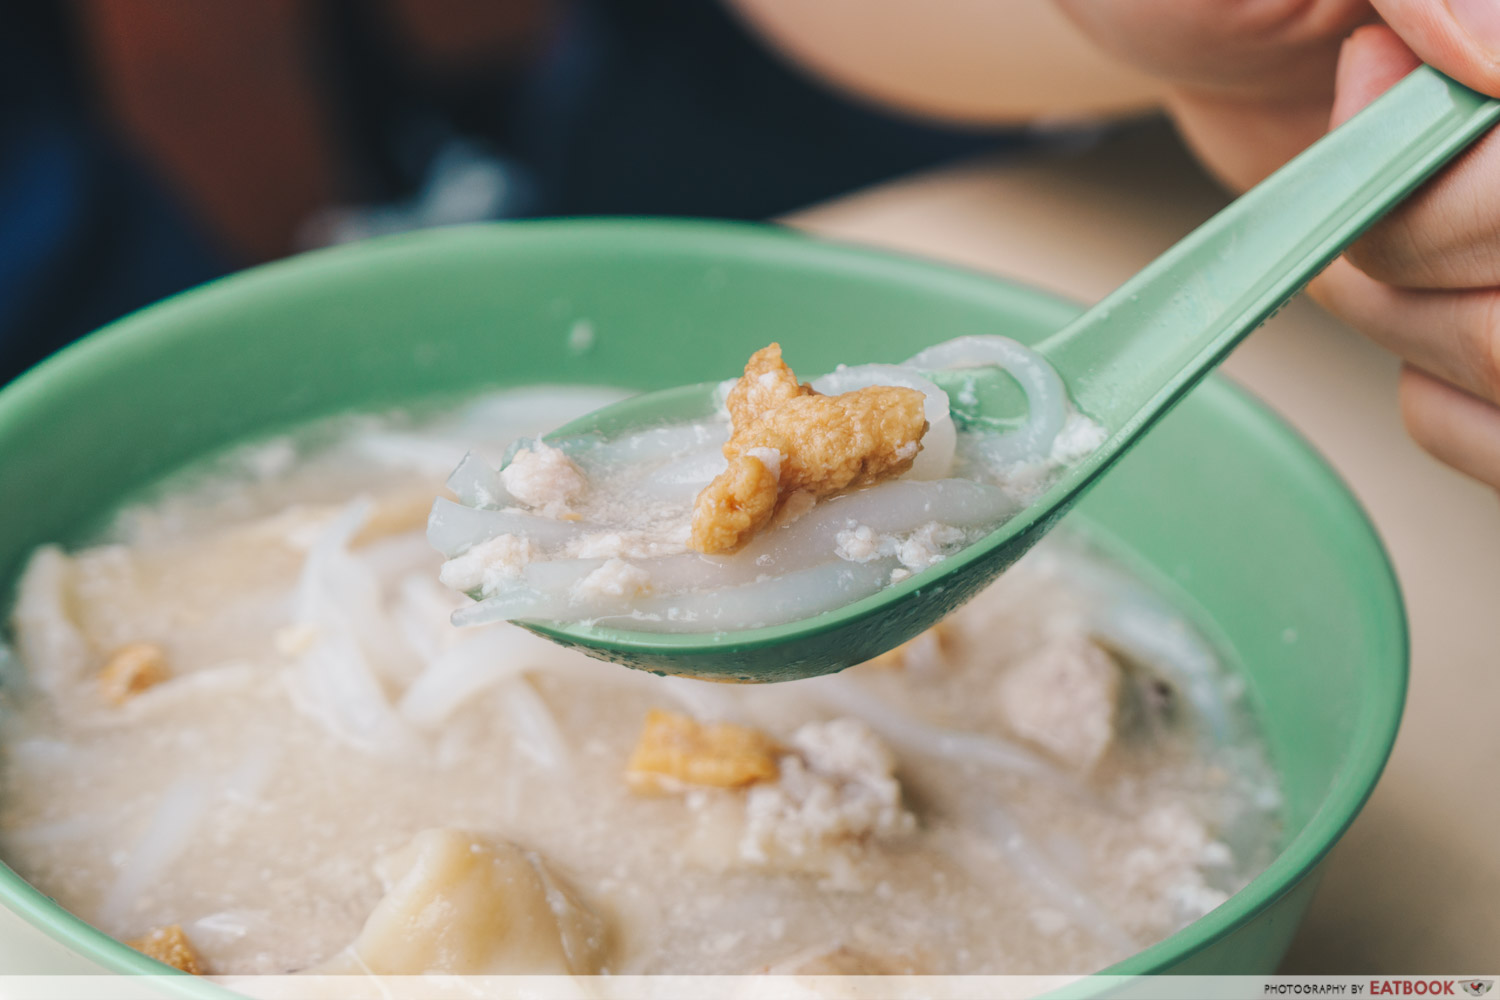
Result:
1235,515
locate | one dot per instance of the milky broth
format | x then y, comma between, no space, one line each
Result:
1080,772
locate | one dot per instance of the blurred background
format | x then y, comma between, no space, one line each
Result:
149,145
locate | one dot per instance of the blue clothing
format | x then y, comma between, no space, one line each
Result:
640,107
85,235
670,107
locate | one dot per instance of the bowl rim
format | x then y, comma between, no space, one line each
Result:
1375,729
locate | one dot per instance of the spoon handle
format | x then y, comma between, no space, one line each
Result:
1129,358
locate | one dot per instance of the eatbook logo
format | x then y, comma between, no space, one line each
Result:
1478,987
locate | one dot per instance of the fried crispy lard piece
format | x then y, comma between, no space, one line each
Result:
675,750
734,506
767,383
131,669
803,442
170,946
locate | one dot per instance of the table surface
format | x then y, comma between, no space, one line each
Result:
1415,885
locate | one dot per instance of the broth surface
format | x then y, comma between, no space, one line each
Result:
1078,776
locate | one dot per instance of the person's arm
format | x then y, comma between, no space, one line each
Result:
221,100
224,98
464,37
966,61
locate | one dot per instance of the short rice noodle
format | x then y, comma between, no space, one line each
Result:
847,696
168,832
227,680
337,678
453,528
546,590
800,593
681,479
893,509
453,678
537,734
652,445
340,598
753,605
47,633
1046,397
476,484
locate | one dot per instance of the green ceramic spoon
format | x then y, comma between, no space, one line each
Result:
1126,362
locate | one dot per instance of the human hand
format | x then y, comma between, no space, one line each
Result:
1252,83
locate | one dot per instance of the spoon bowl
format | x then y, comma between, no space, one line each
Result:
1126,362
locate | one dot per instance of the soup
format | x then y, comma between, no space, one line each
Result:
240,732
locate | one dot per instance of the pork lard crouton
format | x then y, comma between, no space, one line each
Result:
131,669
676,751
788,439
1064,698
170,946
767,383
737,504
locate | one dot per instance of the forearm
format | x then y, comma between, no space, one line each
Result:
221,99
965,61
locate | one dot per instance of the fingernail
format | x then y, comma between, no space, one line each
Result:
1481,19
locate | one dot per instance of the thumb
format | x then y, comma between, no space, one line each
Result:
1371,61
1459,37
